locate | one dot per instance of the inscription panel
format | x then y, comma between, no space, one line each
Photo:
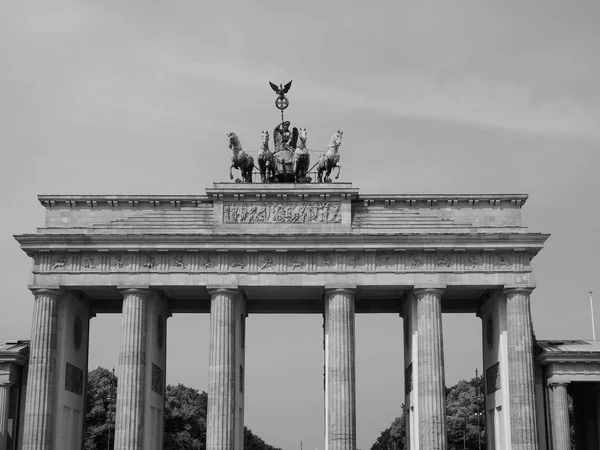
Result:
492,378
73,379
282,212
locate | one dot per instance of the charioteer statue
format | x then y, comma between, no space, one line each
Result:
285,144
290,160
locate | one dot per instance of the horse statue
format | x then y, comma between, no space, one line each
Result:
266,160
301,158
240,159
330,159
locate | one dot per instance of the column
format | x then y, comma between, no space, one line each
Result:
37,427
561,432
220,430
4,411
523,423
129,426
340,369
430,370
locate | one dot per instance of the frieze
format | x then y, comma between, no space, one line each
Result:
282,261
282,212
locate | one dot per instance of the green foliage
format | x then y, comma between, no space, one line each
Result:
99,412
394,437
464,417
253,442
185,417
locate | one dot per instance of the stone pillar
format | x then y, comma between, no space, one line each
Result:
129,426
430,369
4,411
561,432
340,368
523,423
220,430
38,433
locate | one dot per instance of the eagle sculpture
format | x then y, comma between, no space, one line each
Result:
281,89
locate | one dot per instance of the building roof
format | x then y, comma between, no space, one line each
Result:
13,347
569,346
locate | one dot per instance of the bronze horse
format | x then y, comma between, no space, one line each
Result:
330,159
240,159
301,158
266,161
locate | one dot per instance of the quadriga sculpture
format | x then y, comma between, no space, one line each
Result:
266,161
330,159
240,159
301,158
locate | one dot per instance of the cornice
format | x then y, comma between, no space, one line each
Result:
283,192
567,357
112,201
434,241
446,200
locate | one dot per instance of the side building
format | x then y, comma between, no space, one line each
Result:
14,359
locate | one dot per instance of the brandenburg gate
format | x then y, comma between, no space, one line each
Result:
320,248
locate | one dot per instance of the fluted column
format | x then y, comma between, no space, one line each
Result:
4,410
341,379
431,374
523,423
129,426
38,426
561,430
220,430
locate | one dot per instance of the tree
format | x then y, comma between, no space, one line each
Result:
98,409
465,415
465,418
394,437
185,416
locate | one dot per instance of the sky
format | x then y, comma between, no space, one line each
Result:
136,97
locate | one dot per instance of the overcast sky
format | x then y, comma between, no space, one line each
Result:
136,97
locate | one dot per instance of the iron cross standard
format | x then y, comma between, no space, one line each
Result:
281,102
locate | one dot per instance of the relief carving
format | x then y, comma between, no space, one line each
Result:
327,261
208,262
178,262
504,261
296,264
267,263
444,261
282,212
89,263
238,262
413,262
354,261
385,261
119,261
148,262
471,262
60,262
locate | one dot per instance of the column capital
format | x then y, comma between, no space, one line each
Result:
134,290
552,384
55,292
332,289
434,290
518,290
231,289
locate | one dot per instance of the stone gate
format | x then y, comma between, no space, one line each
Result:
278,248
